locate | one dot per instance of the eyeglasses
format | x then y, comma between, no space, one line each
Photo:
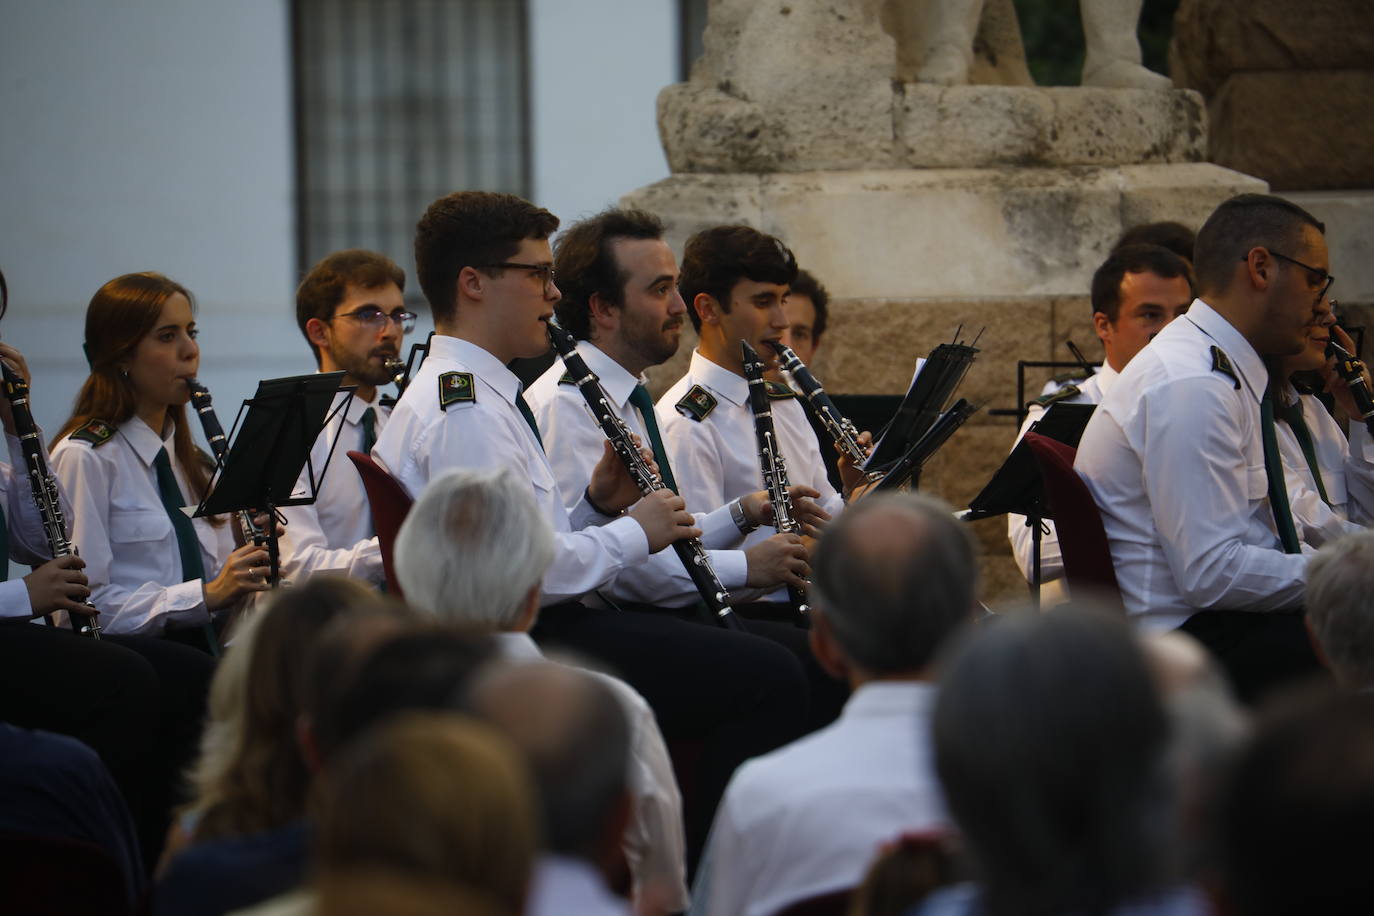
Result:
375,318
1316,276
543,271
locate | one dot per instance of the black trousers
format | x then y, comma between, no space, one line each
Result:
138,701
732,695
1259,652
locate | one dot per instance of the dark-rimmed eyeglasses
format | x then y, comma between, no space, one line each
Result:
373,317
1316,277
543,271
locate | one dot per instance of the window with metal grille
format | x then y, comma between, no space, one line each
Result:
399,102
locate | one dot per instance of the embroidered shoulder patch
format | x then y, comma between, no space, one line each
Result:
567,379
1074,375
777,390
1222,363
96,432
1054,397
697,403
455,388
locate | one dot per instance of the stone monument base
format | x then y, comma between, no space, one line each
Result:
910,256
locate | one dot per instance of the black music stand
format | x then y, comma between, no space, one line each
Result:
1016,486
924,403
272,447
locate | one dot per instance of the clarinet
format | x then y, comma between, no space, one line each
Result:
44,486
845,436
1351,369
692,554
772,463
214,434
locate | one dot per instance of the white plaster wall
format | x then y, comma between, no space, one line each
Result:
596,69
148,135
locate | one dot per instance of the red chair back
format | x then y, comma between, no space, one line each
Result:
390,504
1082,539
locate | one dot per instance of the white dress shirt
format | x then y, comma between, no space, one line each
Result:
334,533
1347,470
1090,391
655,845
422,440
808,818
561,886
716,459
1174,460
574,442
28,544
119,525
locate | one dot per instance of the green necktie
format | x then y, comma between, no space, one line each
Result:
529,417
1292,415
192,566
1278,488
640,399
369,430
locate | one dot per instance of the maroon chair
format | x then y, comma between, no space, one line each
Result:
1082,539
390,504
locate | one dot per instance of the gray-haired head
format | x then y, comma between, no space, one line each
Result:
1050,743
472,547
1340,607
894,575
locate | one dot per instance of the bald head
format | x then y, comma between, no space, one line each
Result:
894,575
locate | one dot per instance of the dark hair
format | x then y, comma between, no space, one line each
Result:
468,229
427,668
1176,237
120,314
586,265
325,286
1133,259
1240,224
1294,820
718,258
895,576
1050,742
807,285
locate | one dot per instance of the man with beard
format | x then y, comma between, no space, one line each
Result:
620,300
350,309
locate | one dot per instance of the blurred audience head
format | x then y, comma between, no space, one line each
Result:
1295,818
1340,608
892,577
1051,743
474,549
575,737
431,797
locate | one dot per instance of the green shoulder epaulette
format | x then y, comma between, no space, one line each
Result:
567,379
777,390
1222,363
1074,375
1054,397
96,432
697,403
455,388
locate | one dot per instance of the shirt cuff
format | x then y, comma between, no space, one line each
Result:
633,542
732,568
718,529
14,600
186,604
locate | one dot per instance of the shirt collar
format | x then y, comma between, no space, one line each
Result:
146,443
516,646
889,698
485,366
734,388
1231,342
616,382
1105,376
357,407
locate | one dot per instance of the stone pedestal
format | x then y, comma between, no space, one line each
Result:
912,255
